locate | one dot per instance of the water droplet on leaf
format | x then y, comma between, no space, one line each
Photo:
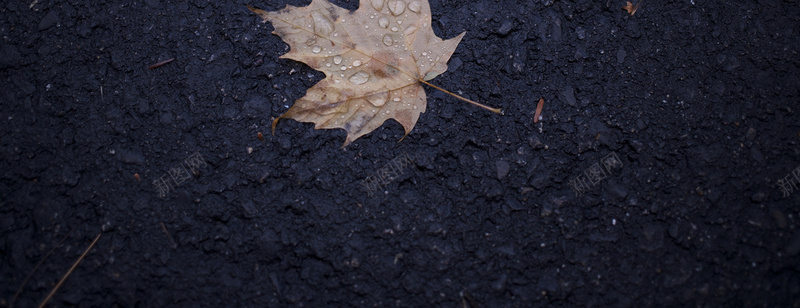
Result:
377,4
414,6
377,100
359,78
397,7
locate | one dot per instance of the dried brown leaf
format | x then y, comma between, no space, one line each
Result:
631,8
374,60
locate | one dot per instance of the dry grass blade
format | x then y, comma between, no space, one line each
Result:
74,265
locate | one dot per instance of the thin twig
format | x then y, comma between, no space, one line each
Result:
495,110
154,66
53,292
169,236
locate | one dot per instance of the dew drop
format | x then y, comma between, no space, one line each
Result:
335,34
357,63
366,26
399,22
359,78
316,49
415,107
414,6
383,22
397,7
394,29
377,4
396,99
337,59
328,64
343,67
410,29
424,53
387,40
377,100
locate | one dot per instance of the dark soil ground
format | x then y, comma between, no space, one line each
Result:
652,179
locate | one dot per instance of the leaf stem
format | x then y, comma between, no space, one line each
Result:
495,110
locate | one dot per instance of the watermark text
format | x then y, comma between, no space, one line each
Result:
595,174
177,175
788,184
385,175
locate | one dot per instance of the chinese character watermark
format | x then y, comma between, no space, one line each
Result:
595,174
177,175
788,184
386,175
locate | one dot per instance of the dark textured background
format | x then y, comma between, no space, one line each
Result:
697,98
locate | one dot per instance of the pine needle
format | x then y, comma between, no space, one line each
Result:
70,271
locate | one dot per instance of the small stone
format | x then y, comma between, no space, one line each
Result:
568,94
751,134
133,156
502,169
780,218
505,28
249,207
49,20
454,64
618,191
621,54
758,197
580,32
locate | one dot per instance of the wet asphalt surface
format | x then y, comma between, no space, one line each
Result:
664,170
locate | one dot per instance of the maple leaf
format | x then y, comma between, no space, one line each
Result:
374,60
